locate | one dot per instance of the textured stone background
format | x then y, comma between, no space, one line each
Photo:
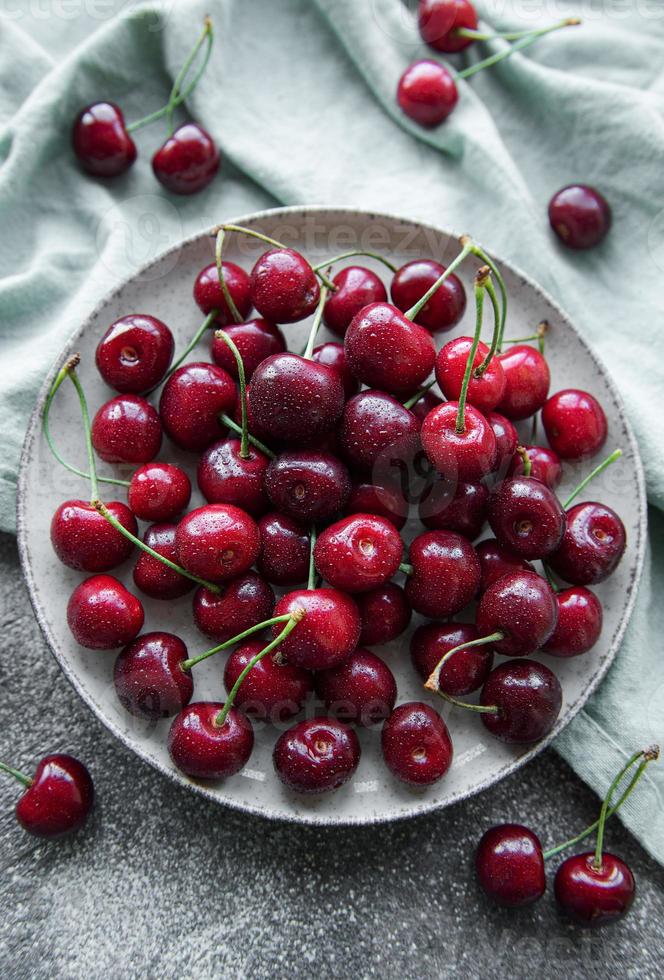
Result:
163,884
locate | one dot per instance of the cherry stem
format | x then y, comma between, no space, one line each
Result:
418,394
204,327
293,620
244,438
467,248
432,682
549,577
525,42
70,372
481,279
105,512
232,424
479,371
356,251
406,568
649,754
275,244
616,454
312,568
188,664
477,250
318,316
16,774
230,302
510,35
526,460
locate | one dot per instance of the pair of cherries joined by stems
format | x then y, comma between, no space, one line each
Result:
184,164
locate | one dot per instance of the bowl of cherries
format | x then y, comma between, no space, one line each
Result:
331,516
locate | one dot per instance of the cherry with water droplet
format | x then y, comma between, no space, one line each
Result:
416,744
244,602
447,305
256,340
575,423
209,296
326,635
83,540
148,676
102,614
101,142
356,287
135,353
126,429
509,864
465,671
158,492
384,614
386,350
316,755
592,545
192,400
272,691
203,749
362,690
528,696
526,517
284,287
445,574
217,542
307,486
187,161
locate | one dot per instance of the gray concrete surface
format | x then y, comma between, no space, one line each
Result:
163,884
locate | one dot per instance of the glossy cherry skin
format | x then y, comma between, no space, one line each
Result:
580,216
467,455
126,430
307,486
575,423
328,632
425,404
284,557
592,546
153,577
293,399
521,605
256,340
427,92
217,542
526,517
244,602
446,306
385,350
545,466
384,501
187,161
358,553
507,439
509,864
84,540
485,392
272,691
334,356
59,800
208,294
101,142
528,696
357,287
149,679
446,574
190,404
204,750
384,613
361,690
284,287
465,671
527,380
225,477
439,19
135,353
316,755
416,744
497,561
374,427
593,897
102,614
460,507
579,623
158,491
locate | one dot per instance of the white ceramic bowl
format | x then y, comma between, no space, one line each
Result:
164,288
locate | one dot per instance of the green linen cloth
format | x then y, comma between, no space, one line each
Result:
299,95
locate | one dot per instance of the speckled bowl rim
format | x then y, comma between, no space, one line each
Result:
418,808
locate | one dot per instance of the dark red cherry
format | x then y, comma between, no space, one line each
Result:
256,340
575,423
416,744
384,501
449,506
592,545
202,749
485,392
243,602
509,863
579,623
580,216
438,21
521,605
225,477
316,755
126,430
187,161
425,404
308,486
284,557
526,517
284,287
191,402
507,439
334,356
208,295
427,92
528,696
358,553
272,691
467,455
375,427
527,380
135,353
387,351
158,491
357,287
59,799
465,671
545,466
84,540
154,578
101,142
361,690
446,306
446,574
497,561
384,613
102,614
328,633
149,679
293,399
594,896
217,542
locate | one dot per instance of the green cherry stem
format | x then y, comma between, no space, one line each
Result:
466,249
244,437
433,680
616,454
418,394
232,424
312,568
525,459
481,279
16,774
479,371
230,302
270,241
349,255
550,579
539,336
318,316
478,251
188,664
406,568
648,755
474,35
525,42
202,330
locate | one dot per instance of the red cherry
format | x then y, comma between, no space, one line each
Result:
135,352
357,287
528,696
375,427
256,340
328,633
187,161
523,607
446,574
84,540
149,679
485,392
446,306
272,691
284,287
594,896
126,430
448,506
509,864
316,755
385,350
208,294
438,21
384,613
158,492
102,614
497,561
358,553
217,542
575,423
293,399
334,356
579,623
527,380
416,744
192,400
225,477
202,749
308,486
154,578
425,404
244,602
101,142
592,545
580,216
59,799
284,557
545,466
526,517
507,439
467,455
465,671
427,92
361,690
383,501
